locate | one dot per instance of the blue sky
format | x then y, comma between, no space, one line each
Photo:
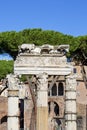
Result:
5,56
65,16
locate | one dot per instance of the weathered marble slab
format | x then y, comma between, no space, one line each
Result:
48,63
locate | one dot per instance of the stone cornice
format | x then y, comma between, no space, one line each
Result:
34,61
44,49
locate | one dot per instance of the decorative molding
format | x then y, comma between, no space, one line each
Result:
46,62
44,49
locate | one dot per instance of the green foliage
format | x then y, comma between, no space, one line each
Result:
9,41
6,67
23,78
83,44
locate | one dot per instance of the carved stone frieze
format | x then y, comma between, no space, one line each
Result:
44,60
46,48
26,48
40,60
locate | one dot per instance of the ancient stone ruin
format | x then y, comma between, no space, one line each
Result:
43,66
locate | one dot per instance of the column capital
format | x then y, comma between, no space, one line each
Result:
71,76
42,81
42,76
12,82
71,82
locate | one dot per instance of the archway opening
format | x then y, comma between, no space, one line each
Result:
4,119
53,108
60,89
54,90
56,109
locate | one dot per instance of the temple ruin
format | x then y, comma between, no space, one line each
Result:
52,86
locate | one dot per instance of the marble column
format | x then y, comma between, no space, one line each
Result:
42,102
13,103
70,103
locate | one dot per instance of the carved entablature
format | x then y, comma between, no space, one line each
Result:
42,59
44,49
